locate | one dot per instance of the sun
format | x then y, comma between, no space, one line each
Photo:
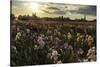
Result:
34,6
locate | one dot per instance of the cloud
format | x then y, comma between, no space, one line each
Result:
62,9
87,10
45,11
53,8
60,12
90,10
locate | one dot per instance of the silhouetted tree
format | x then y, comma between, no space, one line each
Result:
34,16
12,16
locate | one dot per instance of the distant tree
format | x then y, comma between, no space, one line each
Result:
27,17
34,16
94,20
19,17
24,17
12,16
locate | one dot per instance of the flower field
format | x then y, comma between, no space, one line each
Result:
52,42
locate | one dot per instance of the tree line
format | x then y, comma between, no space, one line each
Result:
35,17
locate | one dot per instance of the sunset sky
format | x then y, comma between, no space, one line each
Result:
49,9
